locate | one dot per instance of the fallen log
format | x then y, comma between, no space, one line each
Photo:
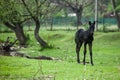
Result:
40,57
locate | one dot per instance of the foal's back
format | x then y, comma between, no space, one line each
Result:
79,36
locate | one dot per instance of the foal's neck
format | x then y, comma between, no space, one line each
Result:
90,34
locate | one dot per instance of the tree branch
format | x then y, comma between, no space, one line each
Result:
37,8
27,9
9,25
86,4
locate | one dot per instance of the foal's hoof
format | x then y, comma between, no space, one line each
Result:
92,64
85,62
78,62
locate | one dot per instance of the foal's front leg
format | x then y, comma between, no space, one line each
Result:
90,49
78,46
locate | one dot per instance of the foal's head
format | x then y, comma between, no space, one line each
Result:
91,27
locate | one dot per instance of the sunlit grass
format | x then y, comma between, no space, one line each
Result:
106,56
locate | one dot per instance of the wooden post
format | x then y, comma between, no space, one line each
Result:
96,15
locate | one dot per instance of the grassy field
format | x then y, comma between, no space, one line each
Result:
106,56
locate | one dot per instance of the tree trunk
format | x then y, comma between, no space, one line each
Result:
116,14
51,24
79,15
104,27
20,34
36,33
18,30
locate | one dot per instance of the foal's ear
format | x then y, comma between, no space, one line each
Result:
89,22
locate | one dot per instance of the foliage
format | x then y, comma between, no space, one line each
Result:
6,8
118,5
11,11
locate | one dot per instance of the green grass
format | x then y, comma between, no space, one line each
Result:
106,55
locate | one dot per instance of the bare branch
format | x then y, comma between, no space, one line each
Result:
86,4
37,8
27,8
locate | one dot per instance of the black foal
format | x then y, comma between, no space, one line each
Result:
85,37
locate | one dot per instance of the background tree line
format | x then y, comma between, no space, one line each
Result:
15,13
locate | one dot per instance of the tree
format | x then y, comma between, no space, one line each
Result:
57,9
10,16
116,13
76,6
39,10
106,8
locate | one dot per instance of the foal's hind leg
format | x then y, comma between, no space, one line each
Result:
78,46
84,53
90,49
